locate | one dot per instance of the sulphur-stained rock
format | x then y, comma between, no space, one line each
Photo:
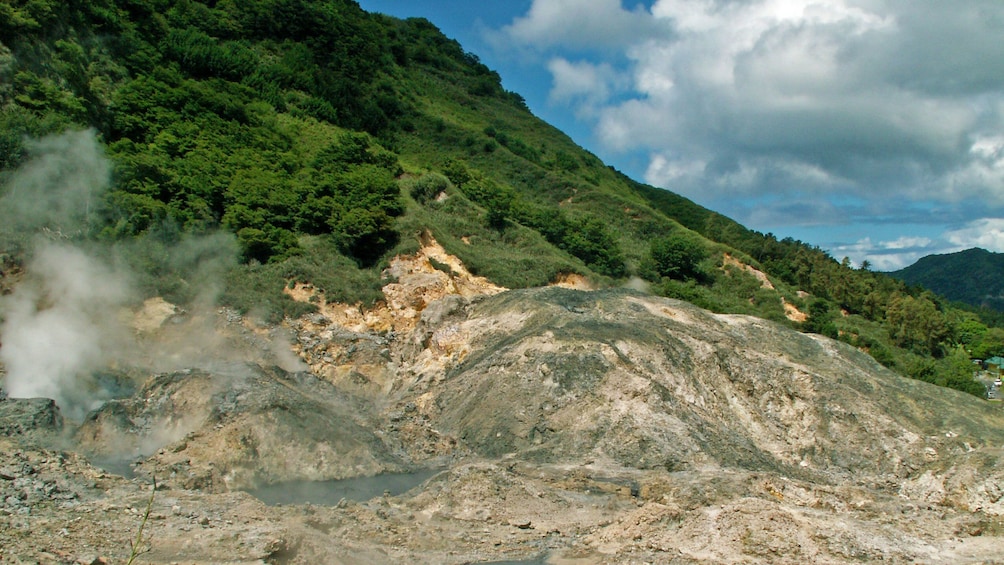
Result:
418,281
248,425
556,375
541,426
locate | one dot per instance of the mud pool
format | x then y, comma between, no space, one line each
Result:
329,493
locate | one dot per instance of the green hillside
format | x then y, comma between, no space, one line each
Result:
326,140
974,276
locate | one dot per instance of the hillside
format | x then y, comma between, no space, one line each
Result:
532,426
974,276
247,149
284,282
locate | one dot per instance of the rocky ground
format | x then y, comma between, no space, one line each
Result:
554,426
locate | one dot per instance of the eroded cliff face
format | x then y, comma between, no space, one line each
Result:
571,426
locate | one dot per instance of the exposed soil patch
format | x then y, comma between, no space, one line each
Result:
728,260
564,427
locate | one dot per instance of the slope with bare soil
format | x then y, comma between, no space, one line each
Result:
558,425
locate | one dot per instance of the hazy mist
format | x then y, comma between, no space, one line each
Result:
69,329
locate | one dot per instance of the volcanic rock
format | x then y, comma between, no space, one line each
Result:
569,427
30,417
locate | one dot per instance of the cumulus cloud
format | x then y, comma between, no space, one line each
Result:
801,99
987,233
584,84
900,252
581,24
889,255
815,91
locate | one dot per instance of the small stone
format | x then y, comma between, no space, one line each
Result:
204,521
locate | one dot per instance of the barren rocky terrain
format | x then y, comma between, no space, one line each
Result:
553,425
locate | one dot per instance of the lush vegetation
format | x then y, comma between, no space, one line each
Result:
326,140
981,286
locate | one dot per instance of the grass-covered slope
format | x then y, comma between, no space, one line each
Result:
326,140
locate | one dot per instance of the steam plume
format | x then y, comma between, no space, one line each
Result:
58,191
62,325
67,322
61,322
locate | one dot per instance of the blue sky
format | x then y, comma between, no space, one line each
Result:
873,129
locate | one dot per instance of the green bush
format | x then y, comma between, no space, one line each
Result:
820,319
676,256
427,187
257,289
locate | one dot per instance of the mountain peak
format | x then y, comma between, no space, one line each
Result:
974,276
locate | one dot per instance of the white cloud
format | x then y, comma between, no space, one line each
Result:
582,83
887,255
906,243
882,99
895,254
987,233
617,127
664,170
580,24
989,149
739,174
982,176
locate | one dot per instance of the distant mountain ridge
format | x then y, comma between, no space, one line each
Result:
974,276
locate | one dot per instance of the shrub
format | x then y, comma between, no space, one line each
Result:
677,256
428,187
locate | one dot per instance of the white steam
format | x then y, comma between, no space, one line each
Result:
62,325
66,330
58,191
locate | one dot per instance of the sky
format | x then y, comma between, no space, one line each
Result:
873,129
